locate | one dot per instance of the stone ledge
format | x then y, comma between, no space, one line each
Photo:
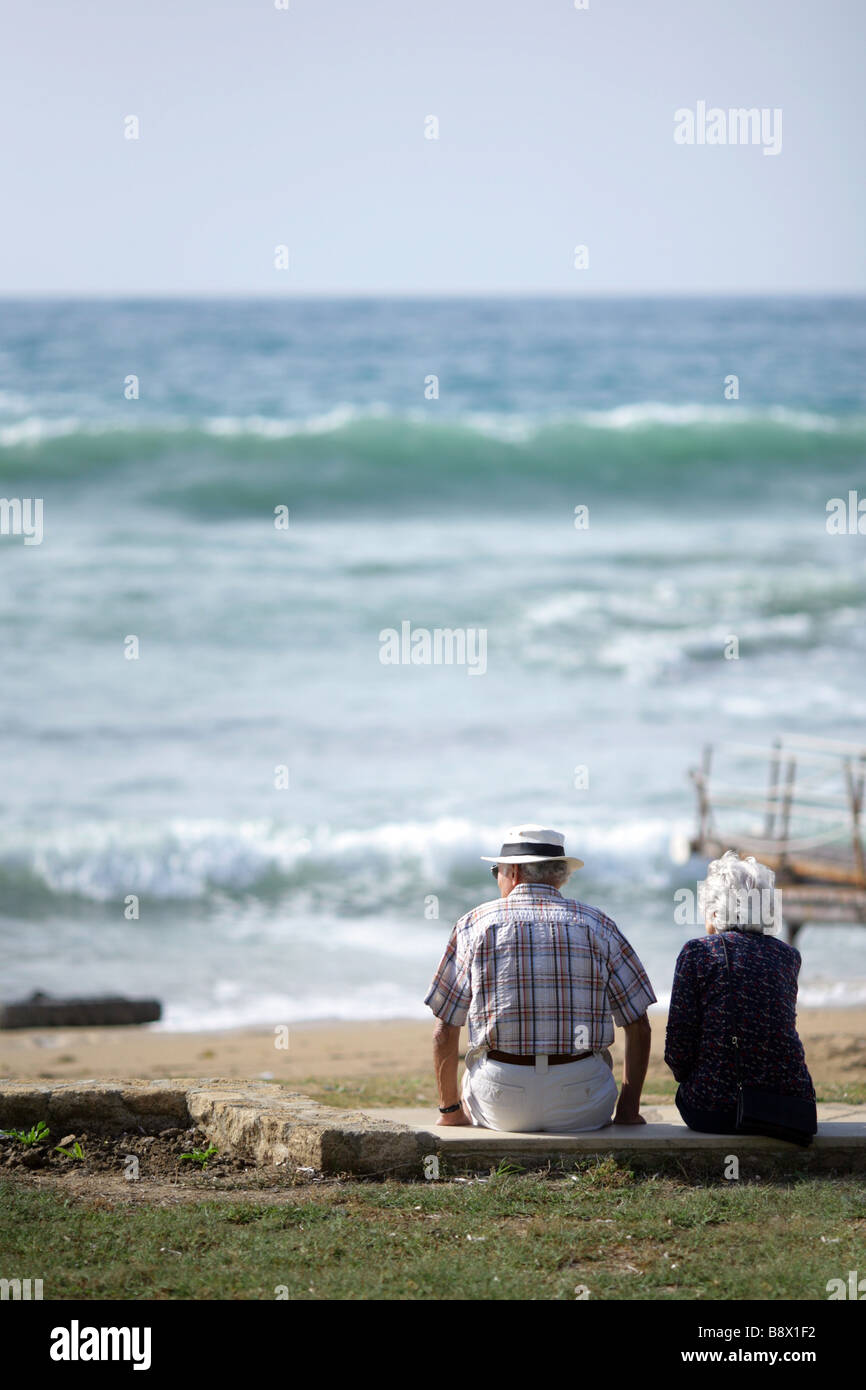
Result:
272,1126
253,1120
109,1105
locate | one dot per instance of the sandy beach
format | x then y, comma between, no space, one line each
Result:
835,1042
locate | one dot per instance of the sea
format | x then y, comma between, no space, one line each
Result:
218,791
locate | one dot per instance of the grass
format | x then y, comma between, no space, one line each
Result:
413,1091
417,1091
199,1156
508,1236
75,1152
854,1092
36,1135
369,1090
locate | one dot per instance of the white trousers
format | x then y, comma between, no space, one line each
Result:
564,1099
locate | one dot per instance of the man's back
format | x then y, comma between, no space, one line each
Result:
539,973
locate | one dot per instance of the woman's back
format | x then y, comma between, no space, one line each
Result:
758,1004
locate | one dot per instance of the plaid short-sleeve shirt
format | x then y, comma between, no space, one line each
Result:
537,973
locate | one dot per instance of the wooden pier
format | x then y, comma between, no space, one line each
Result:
798,808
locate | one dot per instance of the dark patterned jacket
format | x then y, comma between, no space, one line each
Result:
698,1049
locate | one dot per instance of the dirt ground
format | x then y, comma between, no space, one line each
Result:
132,1168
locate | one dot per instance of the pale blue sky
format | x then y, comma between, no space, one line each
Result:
306,127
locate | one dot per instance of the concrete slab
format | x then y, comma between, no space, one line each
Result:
840,1141
662,1121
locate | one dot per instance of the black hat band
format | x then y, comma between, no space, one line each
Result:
526,847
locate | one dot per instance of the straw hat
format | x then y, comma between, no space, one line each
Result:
529,844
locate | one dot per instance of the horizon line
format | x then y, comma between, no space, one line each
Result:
432,295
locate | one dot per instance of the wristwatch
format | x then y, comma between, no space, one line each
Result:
448,1109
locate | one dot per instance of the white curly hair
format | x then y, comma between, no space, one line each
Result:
739,893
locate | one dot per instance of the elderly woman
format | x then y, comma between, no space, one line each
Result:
752,996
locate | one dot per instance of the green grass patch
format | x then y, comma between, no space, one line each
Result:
368,1091
415,1092
75,1152
199,1156
509,1236
854,1092
37,1134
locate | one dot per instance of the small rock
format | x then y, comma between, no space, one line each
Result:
149,1139
169,1133
67,1141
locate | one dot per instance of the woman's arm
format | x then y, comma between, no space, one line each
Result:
682,1038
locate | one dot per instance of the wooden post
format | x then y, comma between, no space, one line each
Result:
704,793
790,776
791,931
855,797
775,759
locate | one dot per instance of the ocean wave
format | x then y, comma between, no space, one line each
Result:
346,1003
393,999
33,429
361,869
351,455
831,994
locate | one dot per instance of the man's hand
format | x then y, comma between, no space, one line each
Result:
457,1117
627,1115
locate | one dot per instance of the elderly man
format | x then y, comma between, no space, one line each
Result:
537,976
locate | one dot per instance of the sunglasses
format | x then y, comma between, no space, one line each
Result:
495,870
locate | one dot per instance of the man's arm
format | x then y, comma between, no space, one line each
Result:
446,1050
638,1037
